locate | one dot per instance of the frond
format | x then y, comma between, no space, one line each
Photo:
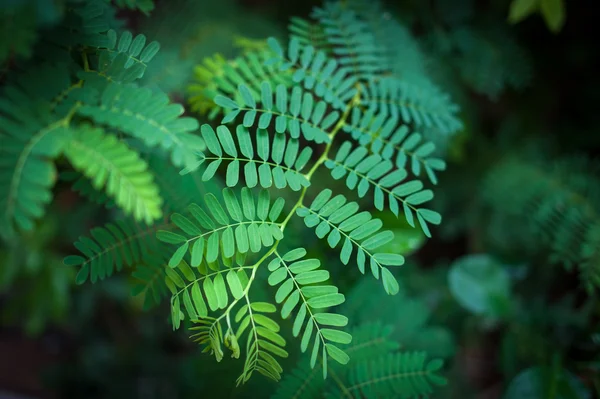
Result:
280,163
200,289
556,202
218,76
179,191
263,342
364,171
113,166
386,138
254,225
123,59
405,56
309,33
84,187
148,116
336,219
302,114
420,105
352,41
400,375
316,71
114,246
369,341
490,60
85,25
33,134
150,281
295,277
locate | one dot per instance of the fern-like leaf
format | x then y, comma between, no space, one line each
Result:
33,134
263,341
217,76
369,341
295,277
280,163
404,375
148,116
112,247
384,137
316,72
421,105
124,59
118,169
363,171
254,225
335,219
295,112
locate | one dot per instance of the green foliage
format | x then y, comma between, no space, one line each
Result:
347,128
480,285
145,6
557,202
544,382
553,12
109,162
46,113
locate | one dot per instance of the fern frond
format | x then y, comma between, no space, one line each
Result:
385,138
421,105
263,342
124,59
85,25
364,170
279,164
336,219
210,334
490,60
309,33
297,276
150,281
254,225
218,76
33,134
316,72
300,115
84,187
369,341
406,58
187,286
118,169
113,246
401,375
149,117
352,41
557,202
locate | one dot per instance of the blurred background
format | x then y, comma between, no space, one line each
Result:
504,292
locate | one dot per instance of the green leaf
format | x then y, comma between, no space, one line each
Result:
478,282
113,166
331,319
337,336
337,354
554,14
170,237
178,255
521,9
235,285
326,301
